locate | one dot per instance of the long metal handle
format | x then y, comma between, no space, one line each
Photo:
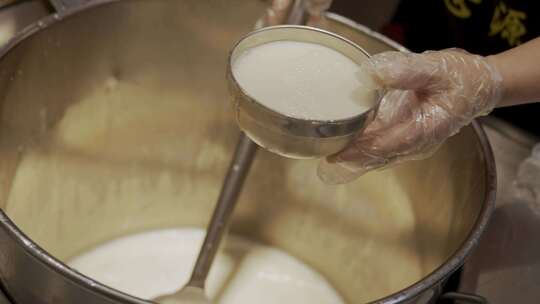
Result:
232,185
62,5
459,297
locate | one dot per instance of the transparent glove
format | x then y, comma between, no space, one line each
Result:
278,11
430,97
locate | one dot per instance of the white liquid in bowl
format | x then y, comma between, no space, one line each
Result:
154,263
305,80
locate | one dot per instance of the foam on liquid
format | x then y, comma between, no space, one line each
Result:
305,80
159,262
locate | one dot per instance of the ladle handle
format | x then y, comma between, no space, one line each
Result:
62,5
232,185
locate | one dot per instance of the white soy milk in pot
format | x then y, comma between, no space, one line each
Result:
154,263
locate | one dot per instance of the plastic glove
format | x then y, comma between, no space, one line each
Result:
278,12
430,97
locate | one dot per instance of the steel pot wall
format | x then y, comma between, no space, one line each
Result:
115,120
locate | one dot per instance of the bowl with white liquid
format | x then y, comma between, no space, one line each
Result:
299,91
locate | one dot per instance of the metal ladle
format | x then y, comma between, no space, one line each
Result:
193,291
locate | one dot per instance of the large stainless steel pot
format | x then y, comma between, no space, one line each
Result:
115,120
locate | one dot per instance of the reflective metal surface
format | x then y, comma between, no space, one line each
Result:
115,120
506,266
289,136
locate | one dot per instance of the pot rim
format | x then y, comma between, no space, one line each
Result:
442,272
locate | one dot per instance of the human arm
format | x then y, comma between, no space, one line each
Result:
520,70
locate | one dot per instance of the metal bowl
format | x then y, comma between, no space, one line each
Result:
285,135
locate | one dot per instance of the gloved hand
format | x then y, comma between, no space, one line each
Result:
430,97
278,11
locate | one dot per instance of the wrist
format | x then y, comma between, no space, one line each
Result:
500,78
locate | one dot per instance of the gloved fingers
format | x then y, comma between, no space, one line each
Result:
427,128
340,168
315,10
404,71
317,7
276,14
414,137
332,173
396,106
317,21
396,111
